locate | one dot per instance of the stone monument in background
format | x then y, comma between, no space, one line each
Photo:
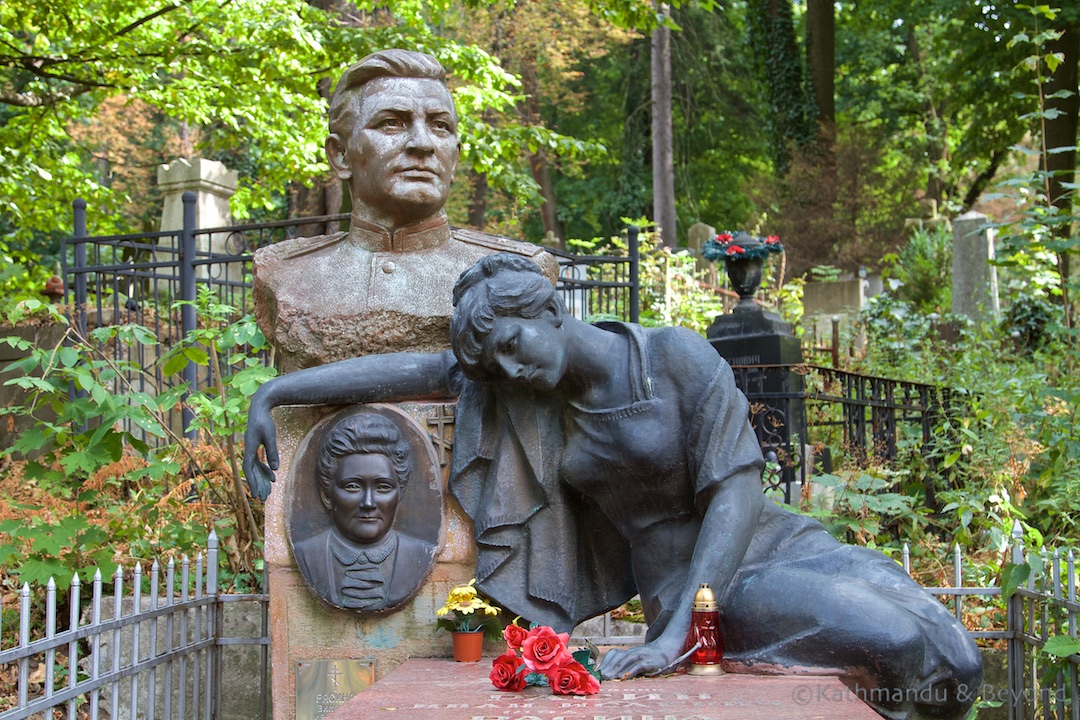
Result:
213,184
383,286
974,277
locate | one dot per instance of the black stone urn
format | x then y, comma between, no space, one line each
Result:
745,276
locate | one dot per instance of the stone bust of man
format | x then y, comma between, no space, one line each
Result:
361,562
385,285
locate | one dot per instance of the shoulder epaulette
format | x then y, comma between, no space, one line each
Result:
497,242
298,247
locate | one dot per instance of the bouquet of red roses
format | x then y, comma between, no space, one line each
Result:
545,660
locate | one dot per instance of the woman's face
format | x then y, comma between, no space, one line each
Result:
528,352
364,497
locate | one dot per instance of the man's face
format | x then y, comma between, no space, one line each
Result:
364,496
401,154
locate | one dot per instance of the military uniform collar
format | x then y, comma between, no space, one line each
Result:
424,235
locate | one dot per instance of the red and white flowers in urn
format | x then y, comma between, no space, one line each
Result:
736,246
545,660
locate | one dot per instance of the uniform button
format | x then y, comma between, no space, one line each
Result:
389,267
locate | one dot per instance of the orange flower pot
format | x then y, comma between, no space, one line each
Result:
468,646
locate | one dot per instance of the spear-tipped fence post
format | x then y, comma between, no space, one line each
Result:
635,277
1015,615
187,311
73,646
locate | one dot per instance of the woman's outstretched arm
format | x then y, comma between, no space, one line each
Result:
725,534
392,377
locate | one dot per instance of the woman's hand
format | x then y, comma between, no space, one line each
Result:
648,659
260,433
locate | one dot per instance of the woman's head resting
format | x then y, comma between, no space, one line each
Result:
506,323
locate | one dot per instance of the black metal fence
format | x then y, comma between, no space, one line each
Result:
804,413
152,279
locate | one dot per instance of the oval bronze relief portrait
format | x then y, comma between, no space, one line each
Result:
364,513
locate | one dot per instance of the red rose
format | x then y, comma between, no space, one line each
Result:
772,239
504,672
723,238
515,635
735,250
572,679
543,649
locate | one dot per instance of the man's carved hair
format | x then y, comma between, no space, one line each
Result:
345,104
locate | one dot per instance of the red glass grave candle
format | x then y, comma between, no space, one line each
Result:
705,631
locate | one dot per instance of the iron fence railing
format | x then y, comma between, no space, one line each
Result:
601,286
152,279
157,649
153,651
801,412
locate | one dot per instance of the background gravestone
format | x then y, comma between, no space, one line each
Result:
975,290
699,234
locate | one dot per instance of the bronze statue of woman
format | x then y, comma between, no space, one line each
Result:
600,461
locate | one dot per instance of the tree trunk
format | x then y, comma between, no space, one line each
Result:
1060,132
478,182
541,173
821,59
772,36
663,156
324,197
541,170
821,64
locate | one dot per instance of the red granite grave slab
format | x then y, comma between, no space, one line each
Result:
439,689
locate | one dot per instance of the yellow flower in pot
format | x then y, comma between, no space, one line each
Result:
469,617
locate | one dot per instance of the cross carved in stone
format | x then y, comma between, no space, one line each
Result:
441,420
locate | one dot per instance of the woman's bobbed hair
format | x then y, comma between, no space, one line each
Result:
499,285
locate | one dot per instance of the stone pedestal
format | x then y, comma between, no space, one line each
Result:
974,282
444,690
750,338
824,300
304,628
754,337
211,181
213,185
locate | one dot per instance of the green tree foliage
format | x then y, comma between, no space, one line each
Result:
109,473
719,135
921,272
243,76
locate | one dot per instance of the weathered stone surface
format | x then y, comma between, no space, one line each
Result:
975,290
304,628
210,180
444,690
698,235
340,296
